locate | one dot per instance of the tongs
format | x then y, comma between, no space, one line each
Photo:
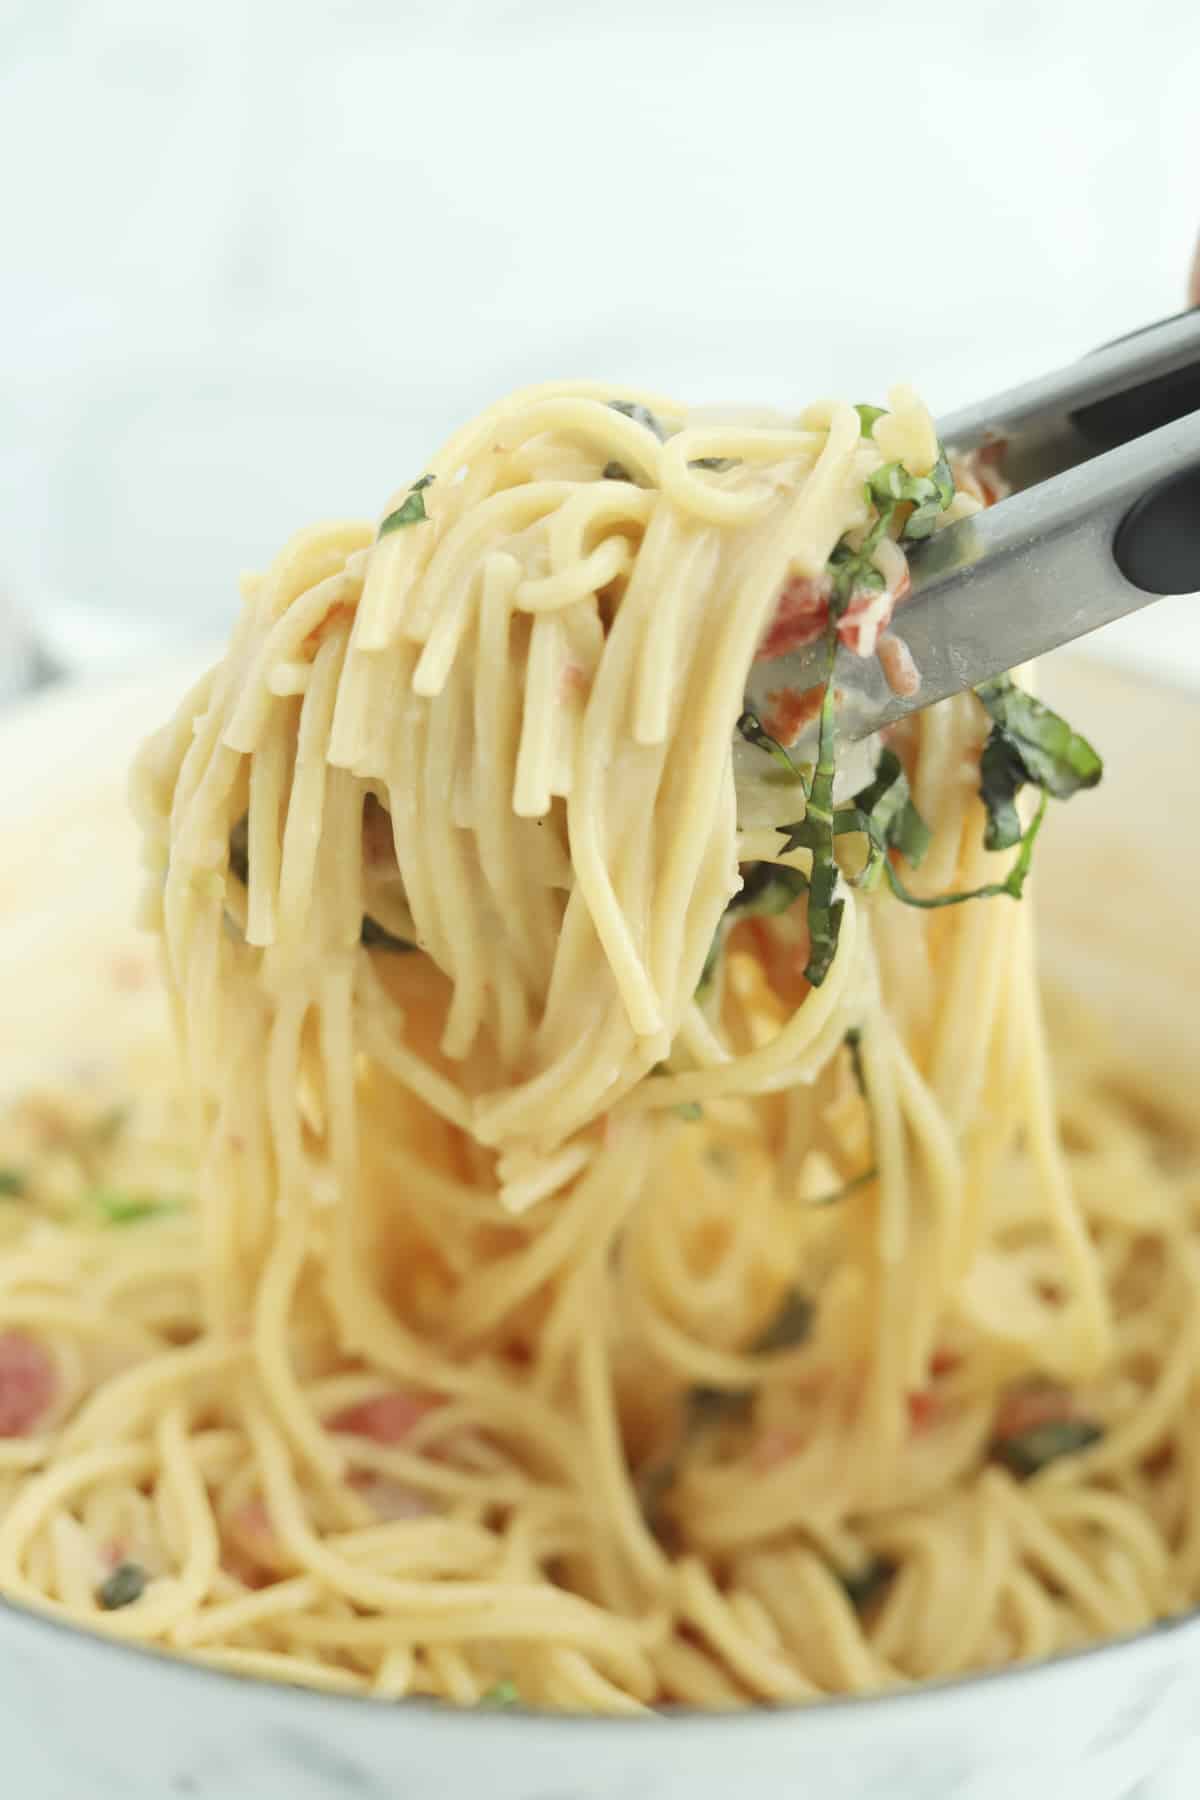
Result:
1103,459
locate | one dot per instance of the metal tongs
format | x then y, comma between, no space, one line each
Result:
1104,518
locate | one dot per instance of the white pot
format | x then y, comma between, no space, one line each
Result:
83,1717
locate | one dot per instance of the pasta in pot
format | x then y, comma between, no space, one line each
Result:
641,1255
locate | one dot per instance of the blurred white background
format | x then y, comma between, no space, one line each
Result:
259,257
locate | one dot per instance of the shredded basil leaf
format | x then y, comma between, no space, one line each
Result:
709,1406
1028,743
13,1184
750,727
1029,1451
1002,775
411,510
504,1693
1055,757
126,1584
791,1325
705,1407
885,812
853,1043
867,416
641,415
768,889
1013,884
815,832
239,851
892,486
910,835
118,1206
852,569
929,495
375,936
864,1585
824,911
887,803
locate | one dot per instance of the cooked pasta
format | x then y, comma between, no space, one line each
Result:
638,1247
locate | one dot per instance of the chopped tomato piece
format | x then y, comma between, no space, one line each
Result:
384,1418
923,1409
252,1537
802,615
130,973
393,1500
773,1448
799,618
925,1405
28,1383
1023,1408
792,710
978,472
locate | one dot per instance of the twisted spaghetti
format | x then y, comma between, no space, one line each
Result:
577,1296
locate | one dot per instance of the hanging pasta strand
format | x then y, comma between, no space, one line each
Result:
602,1250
